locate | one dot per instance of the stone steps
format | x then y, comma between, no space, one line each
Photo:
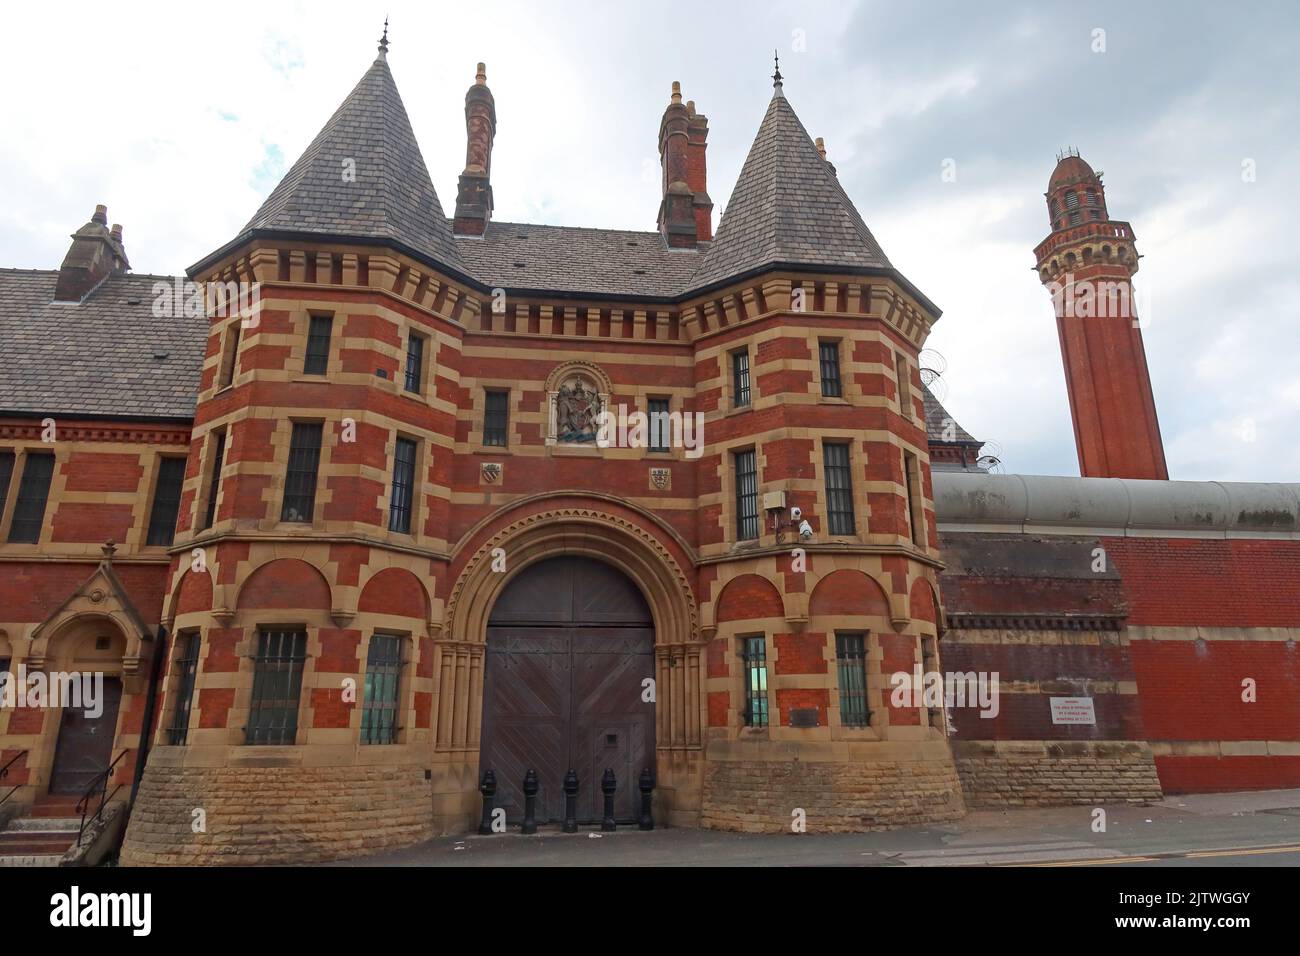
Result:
42,836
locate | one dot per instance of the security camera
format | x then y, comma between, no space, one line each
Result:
796,513
805,530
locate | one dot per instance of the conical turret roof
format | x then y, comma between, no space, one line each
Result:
788,208
363,176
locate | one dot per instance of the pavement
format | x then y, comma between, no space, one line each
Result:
1255,828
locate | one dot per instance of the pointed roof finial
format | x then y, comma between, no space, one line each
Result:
383,40
776,77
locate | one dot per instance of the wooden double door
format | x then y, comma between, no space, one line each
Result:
570,646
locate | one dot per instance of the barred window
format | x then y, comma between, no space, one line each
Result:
829,354
753,657
379,710
318,345
33,493
740,378
746,470
187,664
277,687
414,362
300,479
6,476
839,488
496,417
851,663
214,480
166,501
399,511
660,424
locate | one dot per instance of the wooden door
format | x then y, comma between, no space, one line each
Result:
570,645
85,744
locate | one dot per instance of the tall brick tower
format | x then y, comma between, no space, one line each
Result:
1087,264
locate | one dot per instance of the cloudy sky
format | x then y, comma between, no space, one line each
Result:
181,118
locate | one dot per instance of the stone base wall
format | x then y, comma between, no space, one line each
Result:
1033,773
267,815
757,795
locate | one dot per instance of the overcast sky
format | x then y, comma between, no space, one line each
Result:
183,117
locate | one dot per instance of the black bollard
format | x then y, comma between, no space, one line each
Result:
647,784
530,802
608,784
488,788
571,802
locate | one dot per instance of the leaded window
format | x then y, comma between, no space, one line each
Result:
33,493
740,378
839,488
230,360
318,345
399,511
851,664
277,687
746,471
166,502
187,664
379,709
6,476
414,362
829,356
660,424
214,480
496,417
911,477
753,657
300,479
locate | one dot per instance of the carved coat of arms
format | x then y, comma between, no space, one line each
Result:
577,412
491,471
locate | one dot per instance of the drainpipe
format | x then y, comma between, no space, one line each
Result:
147,731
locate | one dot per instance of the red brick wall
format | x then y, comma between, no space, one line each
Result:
1209,583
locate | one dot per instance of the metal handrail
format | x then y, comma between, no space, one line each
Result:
4,772
101,781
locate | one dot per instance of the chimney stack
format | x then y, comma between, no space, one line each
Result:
696,172
95,253
681,155
474,193
821,151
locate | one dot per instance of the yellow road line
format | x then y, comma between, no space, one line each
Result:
1251,852
1196,855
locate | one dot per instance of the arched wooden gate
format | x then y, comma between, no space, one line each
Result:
570,643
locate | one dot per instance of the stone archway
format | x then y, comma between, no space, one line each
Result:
625,544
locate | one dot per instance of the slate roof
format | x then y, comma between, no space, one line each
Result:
936,420
787,207
107,355
392,197
570,259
